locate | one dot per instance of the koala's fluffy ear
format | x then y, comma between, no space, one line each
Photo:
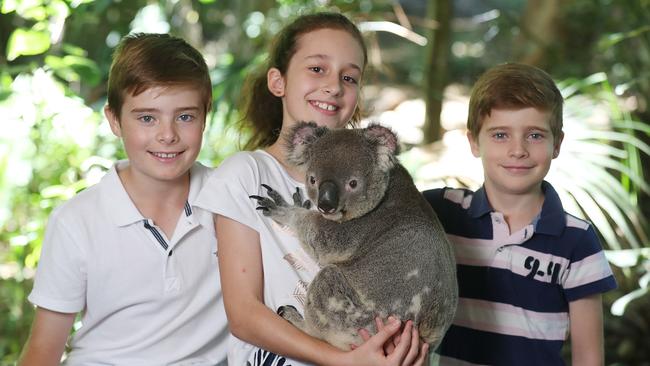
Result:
300,139
387,145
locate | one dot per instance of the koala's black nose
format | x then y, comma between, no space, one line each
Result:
328,197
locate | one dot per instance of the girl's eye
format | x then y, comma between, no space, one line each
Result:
312,180
353,183
317,69
186,117
350,79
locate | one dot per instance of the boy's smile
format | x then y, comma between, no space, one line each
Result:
516,147
161,129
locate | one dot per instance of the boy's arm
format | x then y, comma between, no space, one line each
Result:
46,342
586,318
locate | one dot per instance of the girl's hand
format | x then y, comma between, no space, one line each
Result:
390,347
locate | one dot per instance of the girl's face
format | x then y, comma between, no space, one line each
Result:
322,80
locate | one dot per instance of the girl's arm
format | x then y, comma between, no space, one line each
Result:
586,318
46,342
242,283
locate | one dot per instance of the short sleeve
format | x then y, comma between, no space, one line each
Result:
228,188
589,271
60,282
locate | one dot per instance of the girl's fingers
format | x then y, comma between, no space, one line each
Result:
364,334
414,348
404,345
389,347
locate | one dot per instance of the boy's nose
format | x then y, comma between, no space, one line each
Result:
518,149
167,133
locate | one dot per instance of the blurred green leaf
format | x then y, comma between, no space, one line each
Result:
24,42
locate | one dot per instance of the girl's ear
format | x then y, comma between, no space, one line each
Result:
113,121
275,82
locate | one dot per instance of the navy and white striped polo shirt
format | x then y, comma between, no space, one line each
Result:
515,288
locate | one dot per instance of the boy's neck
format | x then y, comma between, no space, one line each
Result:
518,210
161,201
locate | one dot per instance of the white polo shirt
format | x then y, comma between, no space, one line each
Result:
146,299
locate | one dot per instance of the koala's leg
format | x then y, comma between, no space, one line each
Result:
292,315
335,311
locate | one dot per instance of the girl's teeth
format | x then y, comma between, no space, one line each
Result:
325,106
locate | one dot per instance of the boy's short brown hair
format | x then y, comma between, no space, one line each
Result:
515,86
145,60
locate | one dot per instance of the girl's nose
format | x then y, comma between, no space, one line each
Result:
332,86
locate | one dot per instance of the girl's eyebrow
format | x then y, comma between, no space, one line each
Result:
325,57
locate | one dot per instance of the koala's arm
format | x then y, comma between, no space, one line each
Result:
328,241
325,240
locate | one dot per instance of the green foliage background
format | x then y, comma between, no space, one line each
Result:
54,141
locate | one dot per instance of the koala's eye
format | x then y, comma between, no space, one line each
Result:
353,183
312,180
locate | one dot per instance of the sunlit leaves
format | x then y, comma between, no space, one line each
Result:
25,42
74,68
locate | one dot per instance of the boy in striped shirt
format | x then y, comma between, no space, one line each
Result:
528,272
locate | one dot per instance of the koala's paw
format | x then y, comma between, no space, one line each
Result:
291,314
275,207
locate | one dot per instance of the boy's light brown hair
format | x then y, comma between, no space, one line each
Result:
515,86
145,60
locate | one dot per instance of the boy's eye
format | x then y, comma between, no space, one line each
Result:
146,119
499,135
536,136
186,117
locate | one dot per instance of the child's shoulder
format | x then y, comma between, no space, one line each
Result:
86,204
449,196
246,161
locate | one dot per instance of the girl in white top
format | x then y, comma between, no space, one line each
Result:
313,73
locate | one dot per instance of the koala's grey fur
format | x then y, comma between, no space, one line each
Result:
381,247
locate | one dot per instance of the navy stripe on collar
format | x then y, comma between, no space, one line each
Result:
188,209
156,234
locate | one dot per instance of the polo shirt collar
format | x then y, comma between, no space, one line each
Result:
121,208
480,205
116,200
552,219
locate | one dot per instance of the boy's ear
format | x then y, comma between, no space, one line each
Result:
473,144
556,147
275,82
113,121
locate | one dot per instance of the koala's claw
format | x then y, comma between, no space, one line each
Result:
298,202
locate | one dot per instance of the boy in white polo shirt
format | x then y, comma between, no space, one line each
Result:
131,253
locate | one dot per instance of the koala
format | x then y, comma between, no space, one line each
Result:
381,248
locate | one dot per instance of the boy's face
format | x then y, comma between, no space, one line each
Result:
516,148
162,130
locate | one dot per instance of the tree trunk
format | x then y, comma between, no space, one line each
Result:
436,67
